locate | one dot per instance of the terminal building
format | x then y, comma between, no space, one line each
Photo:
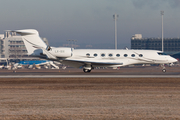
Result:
170,44
12,46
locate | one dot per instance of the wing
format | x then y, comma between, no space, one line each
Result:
81,62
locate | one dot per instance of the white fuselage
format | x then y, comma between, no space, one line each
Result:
117,58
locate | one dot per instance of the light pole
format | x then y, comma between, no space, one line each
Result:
162,13
68,42
115,16
71,42
74,43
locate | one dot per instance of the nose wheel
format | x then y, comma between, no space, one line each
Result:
163,68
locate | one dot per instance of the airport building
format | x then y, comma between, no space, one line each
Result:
171,45
12,46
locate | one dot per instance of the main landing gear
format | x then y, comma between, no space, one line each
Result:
87,68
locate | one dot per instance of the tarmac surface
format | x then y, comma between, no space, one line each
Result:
97,98
154,70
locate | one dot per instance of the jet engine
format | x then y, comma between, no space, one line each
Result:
61,52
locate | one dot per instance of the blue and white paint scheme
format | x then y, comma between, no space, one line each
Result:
90,58
34,62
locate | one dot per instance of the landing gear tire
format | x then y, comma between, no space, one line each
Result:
163,70
86,70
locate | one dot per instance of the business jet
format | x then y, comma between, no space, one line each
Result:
91,58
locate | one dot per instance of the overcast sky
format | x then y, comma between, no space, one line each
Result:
91,21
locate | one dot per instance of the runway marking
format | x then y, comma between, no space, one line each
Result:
89,76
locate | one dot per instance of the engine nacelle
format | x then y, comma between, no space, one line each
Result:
62,52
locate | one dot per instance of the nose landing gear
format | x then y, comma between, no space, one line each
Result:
86,70
163,68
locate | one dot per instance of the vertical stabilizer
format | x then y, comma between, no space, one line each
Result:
31,40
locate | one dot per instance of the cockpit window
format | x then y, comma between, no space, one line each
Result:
161,53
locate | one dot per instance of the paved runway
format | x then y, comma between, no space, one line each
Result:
90,76
128,72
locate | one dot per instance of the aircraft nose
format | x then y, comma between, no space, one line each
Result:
172,60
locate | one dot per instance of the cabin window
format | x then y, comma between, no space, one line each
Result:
87,54
140,55
95,55
102,54
125,55
133,55
117,55
110,55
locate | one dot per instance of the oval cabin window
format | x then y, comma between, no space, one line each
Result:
125,55
117,55
87,54
140,55
133,55
110,55
102,54
95,55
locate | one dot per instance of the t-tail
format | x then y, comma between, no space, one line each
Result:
37,47
34,44
31,40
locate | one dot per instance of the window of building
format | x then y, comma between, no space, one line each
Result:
2,56
125,55
102,54
117,55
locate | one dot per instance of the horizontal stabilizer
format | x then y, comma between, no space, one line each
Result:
26,32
